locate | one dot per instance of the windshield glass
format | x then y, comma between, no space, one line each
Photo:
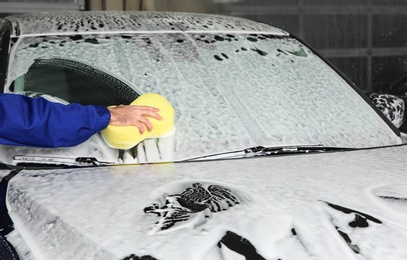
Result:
229,91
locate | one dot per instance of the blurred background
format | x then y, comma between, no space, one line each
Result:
365,39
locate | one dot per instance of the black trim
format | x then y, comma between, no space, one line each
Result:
6,224
5,31
87,5
7,251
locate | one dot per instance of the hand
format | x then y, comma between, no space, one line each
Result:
133,116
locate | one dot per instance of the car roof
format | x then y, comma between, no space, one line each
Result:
84,22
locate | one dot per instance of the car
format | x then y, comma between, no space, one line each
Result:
275,154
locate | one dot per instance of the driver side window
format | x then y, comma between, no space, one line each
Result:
74,82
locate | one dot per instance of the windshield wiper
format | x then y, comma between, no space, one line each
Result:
34,160
269,151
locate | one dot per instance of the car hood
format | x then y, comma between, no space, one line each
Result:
340,205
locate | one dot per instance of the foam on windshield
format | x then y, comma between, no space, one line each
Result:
229,91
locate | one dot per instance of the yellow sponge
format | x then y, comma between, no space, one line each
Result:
126,137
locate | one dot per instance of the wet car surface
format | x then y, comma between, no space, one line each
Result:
274,155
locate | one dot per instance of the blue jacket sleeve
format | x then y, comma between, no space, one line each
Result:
37,122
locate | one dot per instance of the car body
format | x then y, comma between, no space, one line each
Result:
275,154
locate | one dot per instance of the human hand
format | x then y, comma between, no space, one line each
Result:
126,115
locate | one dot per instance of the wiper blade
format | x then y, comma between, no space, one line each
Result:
50,160
293,149
269,151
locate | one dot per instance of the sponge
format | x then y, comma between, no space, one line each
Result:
126,137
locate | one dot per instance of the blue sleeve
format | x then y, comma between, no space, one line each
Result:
37,122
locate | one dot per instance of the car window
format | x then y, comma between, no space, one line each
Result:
229,91
74,82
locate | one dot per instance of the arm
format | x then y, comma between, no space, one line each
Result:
41,123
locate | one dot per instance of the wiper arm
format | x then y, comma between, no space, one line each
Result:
50,160
269,151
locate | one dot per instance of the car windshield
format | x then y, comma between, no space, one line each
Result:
229,90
